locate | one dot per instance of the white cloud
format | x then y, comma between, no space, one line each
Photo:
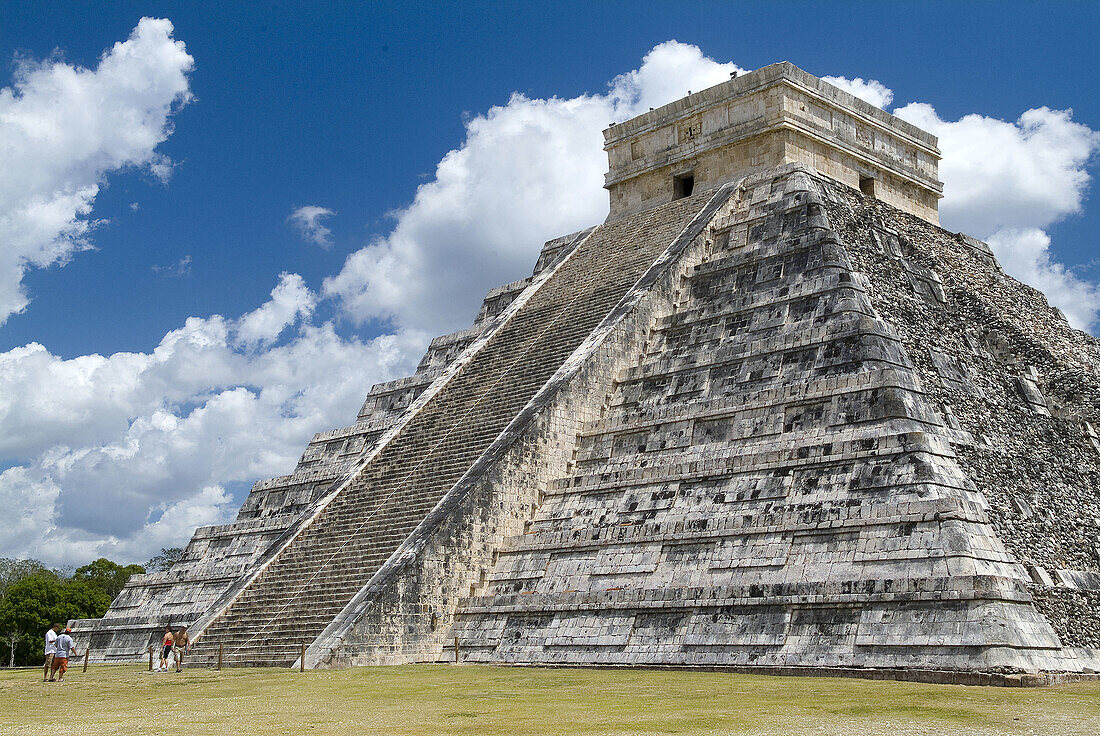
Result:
871,90
63,129
307,221
528,171
120,455
290,299
123,454
35,530
104,444
1004,182
668,72
28,501
998,174
1025,253
182,267
494,200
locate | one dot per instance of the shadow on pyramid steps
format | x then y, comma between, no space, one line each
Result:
767,417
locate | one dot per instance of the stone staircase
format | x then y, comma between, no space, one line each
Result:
768,487
219,555
331,557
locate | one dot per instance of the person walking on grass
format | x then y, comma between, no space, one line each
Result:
166,648
180,644
51,648
65,647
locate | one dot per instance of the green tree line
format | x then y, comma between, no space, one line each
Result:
33,597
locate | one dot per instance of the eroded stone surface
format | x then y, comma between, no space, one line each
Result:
218,555
769,117
778,424
774,482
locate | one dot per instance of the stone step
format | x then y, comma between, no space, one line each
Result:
305,587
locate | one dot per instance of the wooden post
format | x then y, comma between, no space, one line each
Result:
221,650
302,661
150,658
456,650
87,651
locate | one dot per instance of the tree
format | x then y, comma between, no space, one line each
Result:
36,602
33,598
13,637
12,571
107,576
80,599
168,556
27,610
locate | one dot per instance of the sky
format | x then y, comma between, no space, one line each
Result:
220,224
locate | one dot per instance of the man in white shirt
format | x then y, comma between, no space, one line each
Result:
51,648
65,646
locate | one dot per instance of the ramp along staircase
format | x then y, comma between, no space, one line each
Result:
289,602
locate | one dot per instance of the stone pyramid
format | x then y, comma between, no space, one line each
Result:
768,416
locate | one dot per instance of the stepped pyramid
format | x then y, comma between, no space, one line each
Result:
769,416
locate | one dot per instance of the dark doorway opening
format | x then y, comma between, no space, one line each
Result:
682,186
867,185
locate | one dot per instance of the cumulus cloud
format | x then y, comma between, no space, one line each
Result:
871,90
1025,253
1005,182
122,454
290,299
529,170
28,500
1000,174
307,221
493,200
63,129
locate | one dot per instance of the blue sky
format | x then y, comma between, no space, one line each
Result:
352,109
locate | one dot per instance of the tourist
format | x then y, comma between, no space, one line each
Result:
64,646
181,644
166,648
51,647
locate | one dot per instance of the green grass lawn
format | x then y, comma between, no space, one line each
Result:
441,699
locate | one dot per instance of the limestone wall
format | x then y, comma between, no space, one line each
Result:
1006,368
775,115
406,613
218,555
773,483
777,423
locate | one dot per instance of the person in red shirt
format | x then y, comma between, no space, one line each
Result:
166,649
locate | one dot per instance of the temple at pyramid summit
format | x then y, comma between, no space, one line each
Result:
767,416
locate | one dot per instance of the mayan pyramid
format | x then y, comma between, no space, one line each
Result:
768,415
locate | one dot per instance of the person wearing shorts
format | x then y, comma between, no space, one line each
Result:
65,647
51,649
166,649
180,644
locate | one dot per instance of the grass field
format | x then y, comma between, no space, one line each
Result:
440,699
